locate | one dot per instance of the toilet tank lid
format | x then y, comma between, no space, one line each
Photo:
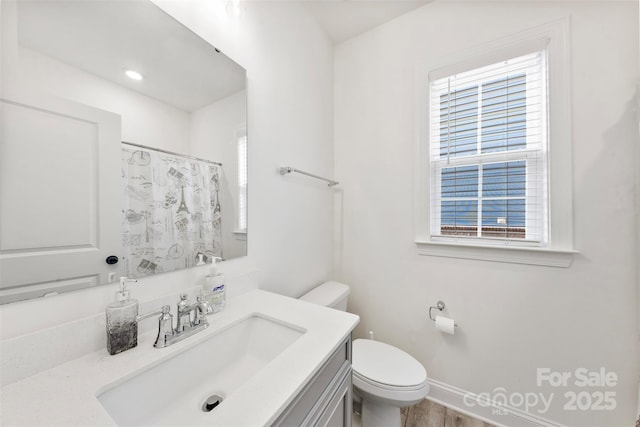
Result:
327,294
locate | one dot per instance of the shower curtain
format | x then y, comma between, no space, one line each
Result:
172,216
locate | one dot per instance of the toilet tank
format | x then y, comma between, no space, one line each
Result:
329,294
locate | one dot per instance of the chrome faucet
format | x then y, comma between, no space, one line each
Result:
203,309
184,314
185,326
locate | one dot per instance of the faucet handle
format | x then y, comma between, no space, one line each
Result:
165,324
184,314
165,309
204,304
184,303
202,309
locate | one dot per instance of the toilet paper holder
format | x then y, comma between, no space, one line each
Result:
440,306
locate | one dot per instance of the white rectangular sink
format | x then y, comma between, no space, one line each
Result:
176,389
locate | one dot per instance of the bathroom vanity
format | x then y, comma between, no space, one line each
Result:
265,360
327,398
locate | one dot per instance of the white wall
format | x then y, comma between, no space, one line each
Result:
214,135
289,64
638,217
513,318
144,120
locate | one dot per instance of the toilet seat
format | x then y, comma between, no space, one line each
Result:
386,373
387,386
398,397
386,365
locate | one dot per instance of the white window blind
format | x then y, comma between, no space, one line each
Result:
488,153
242,182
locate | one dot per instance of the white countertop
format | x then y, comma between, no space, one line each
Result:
66,395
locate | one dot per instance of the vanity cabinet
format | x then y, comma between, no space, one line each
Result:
327,399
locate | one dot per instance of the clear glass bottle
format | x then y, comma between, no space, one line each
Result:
122,328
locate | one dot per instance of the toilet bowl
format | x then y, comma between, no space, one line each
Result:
385,377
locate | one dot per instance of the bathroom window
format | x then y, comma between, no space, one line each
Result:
242,182
488,152
493,170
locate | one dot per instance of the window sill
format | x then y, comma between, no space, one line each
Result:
512,254
240,234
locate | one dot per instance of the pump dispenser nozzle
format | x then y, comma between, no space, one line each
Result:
123,293
214,270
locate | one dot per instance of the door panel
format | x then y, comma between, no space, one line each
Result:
60,211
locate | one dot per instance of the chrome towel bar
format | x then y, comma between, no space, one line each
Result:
287,169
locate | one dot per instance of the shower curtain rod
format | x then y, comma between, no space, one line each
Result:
173,153
289,169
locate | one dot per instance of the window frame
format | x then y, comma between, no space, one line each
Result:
533,157
558,250
243,188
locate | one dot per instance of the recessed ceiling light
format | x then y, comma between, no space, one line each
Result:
133,75
235,8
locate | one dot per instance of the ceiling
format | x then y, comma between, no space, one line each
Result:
106,37
344,19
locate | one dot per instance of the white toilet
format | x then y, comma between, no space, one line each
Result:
385,377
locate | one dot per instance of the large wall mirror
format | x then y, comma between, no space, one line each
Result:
124,146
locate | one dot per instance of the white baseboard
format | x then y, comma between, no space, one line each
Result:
501,416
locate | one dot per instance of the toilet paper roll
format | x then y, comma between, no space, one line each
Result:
446,325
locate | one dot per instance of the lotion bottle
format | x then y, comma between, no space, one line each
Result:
214,289
122,328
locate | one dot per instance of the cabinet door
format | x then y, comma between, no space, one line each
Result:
59,180
338,411
311,405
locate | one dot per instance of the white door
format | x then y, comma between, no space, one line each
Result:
59,195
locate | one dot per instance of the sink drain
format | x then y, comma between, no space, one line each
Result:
211,403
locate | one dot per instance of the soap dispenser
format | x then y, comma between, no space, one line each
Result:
213,288
122,328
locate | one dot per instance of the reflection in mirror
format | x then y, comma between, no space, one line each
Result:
172,211
75,197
